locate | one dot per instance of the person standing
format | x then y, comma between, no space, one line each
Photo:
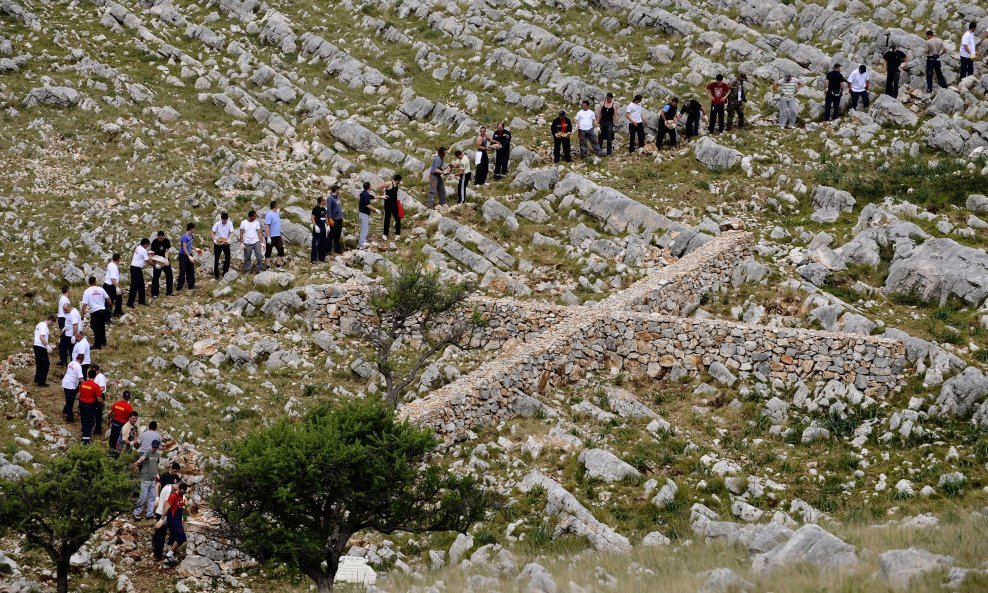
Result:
935,48
561,129
167,482
668,118
894,60
129,434
483,145
172,517
61,312
502,137
391,210
718,92
161,246
318,219
694,115
437,188
137,264
111,284
95,301
787,87
41,349
119,415
147,470
736,100
364,209
89,397
186,258
969,51
833,87
100,380
82,348
251,237
461,168
607,116
335,214
636,124
221,231
586,127
148,437
70,386
73,325
860,82
272,230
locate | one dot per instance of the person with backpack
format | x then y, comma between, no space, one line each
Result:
392,206
172,517
668,119
736,100
718,92
167,483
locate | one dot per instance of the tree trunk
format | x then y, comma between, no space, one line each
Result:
325,582
62,571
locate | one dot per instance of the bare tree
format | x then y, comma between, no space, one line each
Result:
415,304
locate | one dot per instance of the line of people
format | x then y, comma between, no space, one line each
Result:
465,172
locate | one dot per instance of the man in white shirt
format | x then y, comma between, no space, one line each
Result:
636,126
95,300
860,82
222,231
70,385
586,125
72,326
969,51
251,237
137,264
99,379
111,284
60,312
82,348
41,349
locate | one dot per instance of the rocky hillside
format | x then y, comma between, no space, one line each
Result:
798,406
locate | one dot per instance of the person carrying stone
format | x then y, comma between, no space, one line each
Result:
561,130
318,219
668,119
391,206
935,48
694,115
502,137
160,247
607,116
787,87
718,92
736,100
437,187
833,88
895,59
586,126
364,209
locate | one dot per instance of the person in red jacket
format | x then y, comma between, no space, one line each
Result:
90,397
118,416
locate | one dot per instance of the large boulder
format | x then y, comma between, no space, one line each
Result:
714,156
53,96
961,393
574,517
811,544
939,269
537,179
889,110
620,214
945,102
606,466
829,202
977,203
494,211
899,567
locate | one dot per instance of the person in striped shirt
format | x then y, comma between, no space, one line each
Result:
787,87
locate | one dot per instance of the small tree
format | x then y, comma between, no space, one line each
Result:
297,491
415,301
61,506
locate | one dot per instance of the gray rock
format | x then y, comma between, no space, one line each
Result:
494,211
532,211
776,410
811,544
889,110
538,579
574,517
814,433
666,494
53,96
655,538
324,340
606,466
961,394
461,545
714,156
417,108
977,203
621,214
725,580
272,278
625,404
853,323
899,567
814,273
688,241
721,374
537,179
945,102
199,566
829,202
939,269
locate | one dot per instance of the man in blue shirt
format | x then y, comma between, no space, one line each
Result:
272,230
186,257
335,215
365,208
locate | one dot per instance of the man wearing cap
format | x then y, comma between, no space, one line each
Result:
118,416
147,465
561,130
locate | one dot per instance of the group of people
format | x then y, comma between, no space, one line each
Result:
463,171
161,497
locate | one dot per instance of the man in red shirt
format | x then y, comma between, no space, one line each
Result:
90,397
718,92
119,414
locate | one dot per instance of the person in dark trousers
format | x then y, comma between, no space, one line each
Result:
137,274
71,325
607,116
860,84
89,396
968,51
561,130
390,191
103,385
717,91
186,257
668,118
736,100
461,169
95,301
111,284
319,239
935,48
636,124
694,115
167,482
833,88
335,215
70,386
60,312
222,231
172,517
119,414
503,139
161,246
894,60
437,186
483,145
42,346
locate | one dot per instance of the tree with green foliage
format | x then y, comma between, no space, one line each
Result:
297,491
59,507
416,302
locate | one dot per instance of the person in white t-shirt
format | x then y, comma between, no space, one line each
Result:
70,385
252,237
95,301
41,349
222,230
137,264
969,51
111,284
860,82
83,348
72,326
636,127
586,125
60,311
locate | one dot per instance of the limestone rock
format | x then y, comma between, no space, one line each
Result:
606,466
899,567
714,156
939,269
811,544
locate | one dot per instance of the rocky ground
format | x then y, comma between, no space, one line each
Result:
120,119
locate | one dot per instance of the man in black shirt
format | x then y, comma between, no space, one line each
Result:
319,231
668,118
834,89
894,58
503,139
160,247
561,130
